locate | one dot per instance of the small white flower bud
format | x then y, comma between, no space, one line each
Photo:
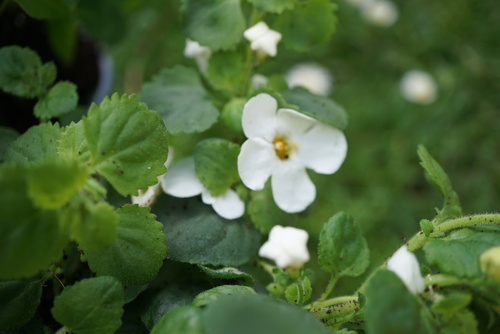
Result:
262,39
199,53
405,264
419,87
313,77
287,246
380,12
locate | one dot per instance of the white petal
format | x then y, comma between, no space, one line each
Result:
287,246
256,31
293,191
229,205
405,264
146,198
206,197
259,117
181,180
256,162
268,43
293,123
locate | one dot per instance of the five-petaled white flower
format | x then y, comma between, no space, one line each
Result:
313,77
419,87
287,246
281,144
181,181
380,12
405,264
263,39
199,53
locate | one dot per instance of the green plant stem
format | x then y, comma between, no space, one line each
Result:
325,294
318,305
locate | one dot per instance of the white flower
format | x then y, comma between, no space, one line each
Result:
199,53
419,87
359,3
310,76
259,81
405,264
263,39
181,181
281,144
380,12
287,246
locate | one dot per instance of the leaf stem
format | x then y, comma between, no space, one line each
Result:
318,305
333,280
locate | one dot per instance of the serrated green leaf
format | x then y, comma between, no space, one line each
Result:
36,144
391,308
72,144
299,292
209,296
46,9
196,235
342,248
218,24
22,73
92,306
179,97
232,113
452,303
138,251
318,107
226,72
61,98
216,164
273,6
19,301
7,137
182,320
229,273
128,143
459,253
437,176
298,32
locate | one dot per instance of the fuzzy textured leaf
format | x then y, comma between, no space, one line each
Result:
60,99
73,144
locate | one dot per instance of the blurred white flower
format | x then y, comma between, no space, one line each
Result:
199,53
380,12
313,77
181,181
419,87
287,246
405,264
259,81
263,39
359,3
281,144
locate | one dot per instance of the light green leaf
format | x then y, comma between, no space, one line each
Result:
196,235
463,322
232,113
299,292
342,248
61,98
22,73
138,251
182,320
226,72
47,9
179,97
128,143
7,137
90,306
319,107
216,164
297,29
273,6
36,144
19,302
452,303
73,144
229,273
218,24
209,296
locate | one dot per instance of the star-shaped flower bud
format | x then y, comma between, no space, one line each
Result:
263,39
287,246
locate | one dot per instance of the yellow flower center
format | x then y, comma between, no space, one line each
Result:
282,148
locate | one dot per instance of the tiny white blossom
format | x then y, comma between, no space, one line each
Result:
405,264
419,87
199,53
313,77
380,12
287,246
263,39
259,81
181,181
281,144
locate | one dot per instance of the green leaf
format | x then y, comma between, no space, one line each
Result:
452,303
209,296
73,144
92,306
46,9
459,253
19,302
104,20
182,320
426,226
179,97
51,183
30,239
138,251
128,143
216,164
218,24
318,107
62,36
229,273
196,235
299,292
437,176
232,113
226,72
463,322
273,6
36,144
342,248
392,309
250,314
61,98
297,29
22,73
7,137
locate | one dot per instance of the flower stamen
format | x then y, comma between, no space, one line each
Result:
282,148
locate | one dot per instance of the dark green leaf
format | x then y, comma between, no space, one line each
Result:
104,20
229,273
182,320
62,36
61,98
19,301
209,296
226,72
7,137
273,6
47,9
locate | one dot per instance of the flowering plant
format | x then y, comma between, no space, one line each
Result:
103,229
